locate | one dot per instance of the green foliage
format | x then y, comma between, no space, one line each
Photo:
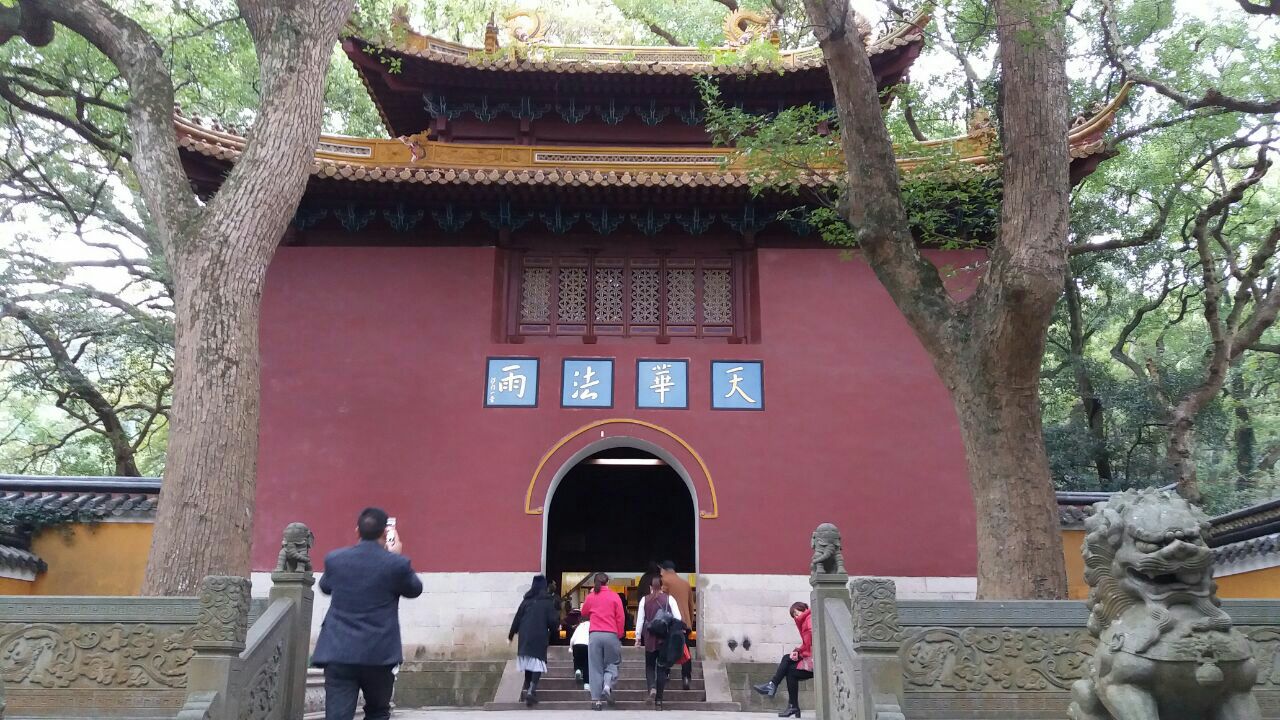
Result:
949,204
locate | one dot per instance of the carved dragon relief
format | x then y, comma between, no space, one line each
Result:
95,656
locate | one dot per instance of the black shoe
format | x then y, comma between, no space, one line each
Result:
597,705
686,683
767,689
790,712
532,698
657,704
524,693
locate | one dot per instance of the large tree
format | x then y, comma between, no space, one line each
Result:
217,251
987,347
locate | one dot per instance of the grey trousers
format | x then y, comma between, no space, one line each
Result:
604,653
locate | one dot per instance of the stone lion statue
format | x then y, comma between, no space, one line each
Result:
828,552
1166,650
295,549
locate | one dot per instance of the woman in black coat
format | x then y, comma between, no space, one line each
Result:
536,619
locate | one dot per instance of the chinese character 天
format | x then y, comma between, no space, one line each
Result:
737,385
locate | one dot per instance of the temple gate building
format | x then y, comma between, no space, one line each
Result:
549,329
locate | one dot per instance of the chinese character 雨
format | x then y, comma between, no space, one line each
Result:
662,382
734,380
512,382
583,391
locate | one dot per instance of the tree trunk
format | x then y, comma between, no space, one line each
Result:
1245,437
987,348
1090,404
1007,463
1179,456
204,526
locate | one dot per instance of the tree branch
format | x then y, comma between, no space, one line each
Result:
1211,98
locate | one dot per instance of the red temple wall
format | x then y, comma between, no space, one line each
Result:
372,392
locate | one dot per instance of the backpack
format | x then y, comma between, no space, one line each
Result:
662,621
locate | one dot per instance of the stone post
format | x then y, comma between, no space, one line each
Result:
296,587
829,582
218,640
825,587
876,639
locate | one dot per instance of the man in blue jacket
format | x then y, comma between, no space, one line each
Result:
359,644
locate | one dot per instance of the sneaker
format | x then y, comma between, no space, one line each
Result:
608,695
597,706
586,686
686,683
577,675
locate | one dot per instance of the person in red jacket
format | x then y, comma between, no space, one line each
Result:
603,608
796,665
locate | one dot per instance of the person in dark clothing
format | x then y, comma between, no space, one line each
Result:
670,632
359,644
647,578
652,637
535,620
680,591
796,665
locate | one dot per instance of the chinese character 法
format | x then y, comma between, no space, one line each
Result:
583,391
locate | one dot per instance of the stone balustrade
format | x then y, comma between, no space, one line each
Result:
218,656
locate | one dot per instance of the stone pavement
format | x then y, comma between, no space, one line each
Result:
478,714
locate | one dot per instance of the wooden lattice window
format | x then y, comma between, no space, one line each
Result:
656,296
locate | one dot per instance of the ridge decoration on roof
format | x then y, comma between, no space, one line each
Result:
418,159
529,53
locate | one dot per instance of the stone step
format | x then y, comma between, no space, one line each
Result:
640,695
625,672
623,683
586,705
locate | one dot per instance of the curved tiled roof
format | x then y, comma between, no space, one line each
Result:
110,498
419,160
634,60
13,558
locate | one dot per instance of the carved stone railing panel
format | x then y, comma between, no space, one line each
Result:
1019,659
845,689
259,681
118,655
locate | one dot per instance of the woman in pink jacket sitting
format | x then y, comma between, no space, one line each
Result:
796,665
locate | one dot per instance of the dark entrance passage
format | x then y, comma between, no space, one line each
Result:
618,511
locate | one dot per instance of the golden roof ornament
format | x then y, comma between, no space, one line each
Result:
861,22
526,27
491,36
743,27
980,122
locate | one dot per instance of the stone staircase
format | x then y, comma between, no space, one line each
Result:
559,690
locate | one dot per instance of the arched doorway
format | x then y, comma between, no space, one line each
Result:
617,509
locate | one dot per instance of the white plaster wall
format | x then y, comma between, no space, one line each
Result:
465,616
755,608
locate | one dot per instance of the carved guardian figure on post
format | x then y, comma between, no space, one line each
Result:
828,553
1166,650
295,549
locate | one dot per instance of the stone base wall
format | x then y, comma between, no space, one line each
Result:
446,683
741,618
744,618
460,616
743,675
